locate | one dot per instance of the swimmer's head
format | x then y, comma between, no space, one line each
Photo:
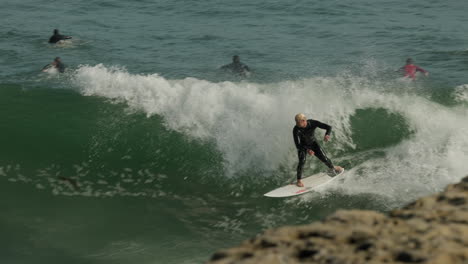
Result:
235,58
301,120
55,31
409,61
57,59
300,117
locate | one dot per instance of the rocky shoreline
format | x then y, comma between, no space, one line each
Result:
433,229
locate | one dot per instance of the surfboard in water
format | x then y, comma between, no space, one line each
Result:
310,183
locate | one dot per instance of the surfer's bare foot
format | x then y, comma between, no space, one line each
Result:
335,171
299,184
338,169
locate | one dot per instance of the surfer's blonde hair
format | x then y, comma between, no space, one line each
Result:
300,117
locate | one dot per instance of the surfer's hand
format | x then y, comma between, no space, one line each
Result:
326,138
310,152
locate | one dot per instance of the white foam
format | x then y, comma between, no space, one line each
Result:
251,124
461,93
51,70
431,158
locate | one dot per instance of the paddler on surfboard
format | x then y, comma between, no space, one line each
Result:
56,37
409,70
305,141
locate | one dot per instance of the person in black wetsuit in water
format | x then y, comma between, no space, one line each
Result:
57,37
306,143
57,63
237,67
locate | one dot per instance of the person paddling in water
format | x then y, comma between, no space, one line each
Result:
57,64
306,143
56,37
410,69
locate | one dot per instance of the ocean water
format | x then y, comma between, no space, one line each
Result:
143,151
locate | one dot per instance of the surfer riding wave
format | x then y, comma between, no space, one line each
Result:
306,143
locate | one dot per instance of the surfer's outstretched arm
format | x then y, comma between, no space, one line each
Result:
419,69
45,68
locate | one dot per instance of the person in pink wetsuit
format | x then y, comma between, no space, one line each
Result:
410,69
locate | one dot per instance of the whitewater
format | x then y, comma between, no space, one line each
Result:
240,118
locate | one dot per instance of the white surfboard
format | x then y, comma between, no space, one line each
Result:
310,183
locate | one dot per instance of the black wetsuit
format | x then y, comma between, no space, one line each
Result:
304,139
60,67
237,67
57,37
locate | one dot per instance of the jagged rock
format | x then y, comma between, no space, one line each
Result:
431,230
